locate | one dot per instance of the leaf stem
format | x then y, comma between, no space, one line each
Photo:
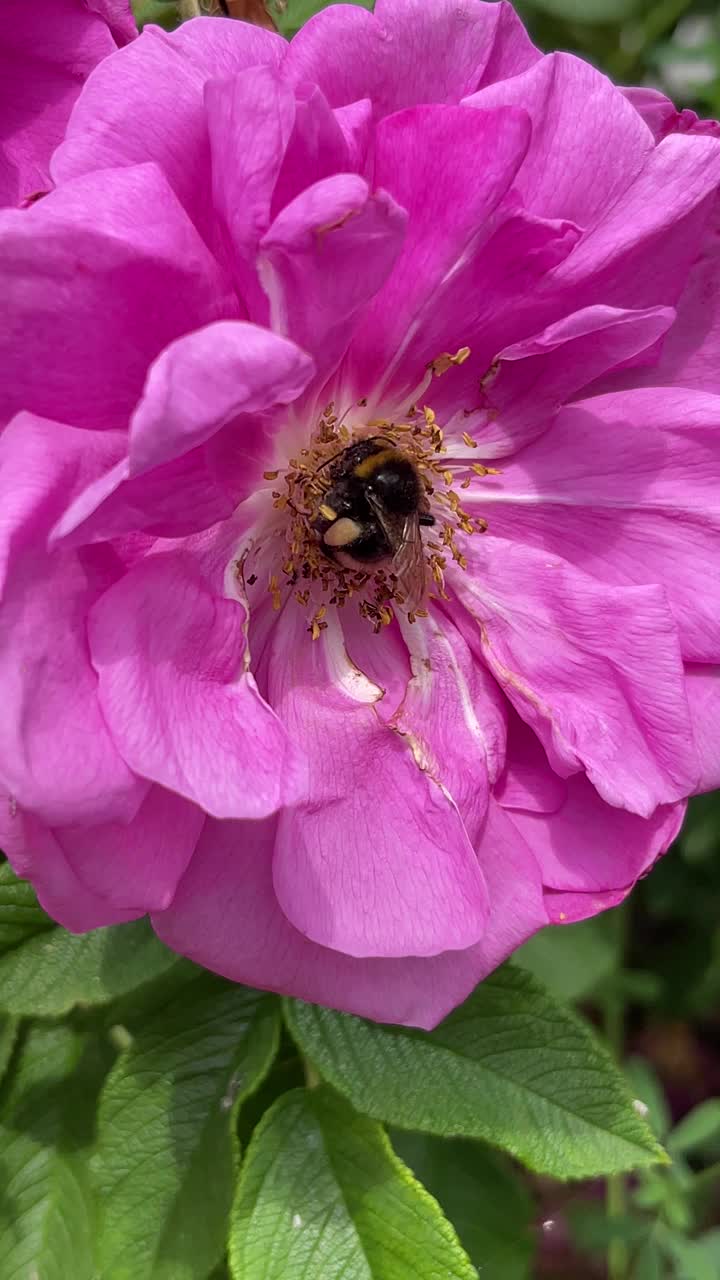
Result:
614,1021
312,1079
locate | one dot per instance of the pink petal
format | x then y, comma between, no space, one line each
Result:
668,204
214,381
173,500
324,258
588,143
383,658
527,781
250,120
161,76
568,908
56,756
318,146
36,855
580,843
453,710
84,255
408,52
703,690
374,860
225,915
594,669
662,117
177,697
206,379
421,158
119,17
49,47
136,866
535,376
356,123
689,355
626,486
489,302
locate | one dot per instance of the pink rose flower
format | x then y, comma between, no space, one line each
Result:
47,50
361,781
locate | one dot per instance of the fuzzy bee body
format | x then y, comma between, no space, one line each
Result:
372,511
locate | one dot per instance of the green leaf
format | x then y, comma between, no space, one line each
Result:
20,914
648,1262
163,12
8,1035
698,1128
290,15
570,960
52,971
711,1244
646,1087
693,1259
166,1154
487,1203
587,11
322,1196
47,1209
510,1066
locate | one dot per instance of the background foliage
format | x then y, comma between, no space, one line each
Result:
159,1123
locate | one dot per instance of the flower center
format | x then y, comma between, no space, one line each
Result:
321,562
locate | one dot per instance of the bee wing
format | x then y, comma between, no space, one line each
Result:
408,562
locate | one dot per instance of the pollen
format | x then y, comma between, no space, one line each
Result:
315,579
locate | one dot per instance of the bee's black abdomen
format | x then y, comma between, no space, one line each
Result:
371,546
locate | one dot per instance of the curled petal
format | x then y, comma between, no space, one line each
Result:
177,697
625,486
594,669
36,855
116,274
225,915
582,844
454,708
324,258
56,755
374,860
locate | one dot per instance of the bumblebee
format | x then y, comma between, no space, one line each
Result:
372,511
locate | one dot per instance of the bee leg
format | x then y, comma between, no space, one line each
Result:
426,518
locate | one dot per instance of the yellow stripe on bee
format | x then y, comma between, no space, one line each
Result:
370,465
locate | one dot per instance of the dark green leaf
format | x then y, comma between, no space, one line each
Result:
322,1196
8,1033
20,914
54,970
47,1209
487,1203
166,1155
570,960
510,1066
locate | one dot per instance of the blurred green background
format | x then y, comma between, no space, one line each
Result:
648,974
